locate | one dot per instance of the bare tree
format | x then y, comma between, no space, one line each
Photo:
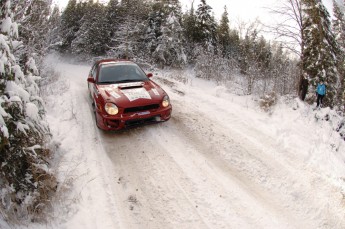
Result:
289,30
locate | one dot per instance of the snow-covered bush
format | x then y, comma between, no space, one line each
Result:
268,100
214,67
333,118
26,182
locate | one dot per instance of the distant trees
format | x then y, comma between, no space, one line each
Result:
93,34
158,32
70,24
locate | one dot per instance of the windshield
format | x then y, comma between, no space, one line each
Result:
121,73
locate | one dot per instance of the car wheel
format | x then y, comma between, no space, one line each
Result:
94,112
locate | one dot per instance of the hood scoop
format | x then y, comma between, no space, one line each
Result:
130,85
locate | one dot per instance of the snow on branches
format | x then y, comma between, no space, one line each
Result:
24,186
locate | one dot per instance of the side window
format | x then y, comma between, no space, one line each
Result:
94,71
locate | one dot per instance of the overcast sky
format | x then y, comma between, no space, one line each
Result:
239,10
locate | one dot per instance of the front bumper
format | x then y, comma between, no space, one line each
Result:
123,121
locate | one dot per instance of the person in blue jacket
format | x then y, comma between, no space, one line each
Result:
320,93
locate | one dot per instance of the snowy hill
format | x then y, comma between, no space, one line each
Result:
220,162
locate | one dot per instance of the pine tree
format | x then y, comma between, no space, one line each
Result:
234,44
206,27
189,25
33,20
190,32
26,182
93,35
81,42
34,25
224,33
54,24
132,18
228,39
99,31
167,40
338,27
320,49
155,21
112,14
70,24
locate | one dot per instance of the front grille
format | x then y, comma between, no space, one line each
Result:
141,108
139,122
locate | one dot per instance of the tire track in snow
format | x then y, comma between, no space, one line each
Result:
196,188
141,173
280,179
93,166
245,200
199,168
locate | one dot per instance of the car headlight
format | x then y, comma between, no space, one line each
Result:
166,101
111,108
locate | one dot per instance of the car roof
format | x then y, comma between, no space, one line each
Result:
106,61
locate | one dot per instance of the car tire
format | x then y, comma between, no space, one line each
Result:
94,113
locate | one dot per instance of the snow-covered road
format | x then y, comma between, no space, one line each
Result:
218,163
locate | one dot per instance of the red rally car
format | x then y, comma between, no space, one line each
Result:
124,96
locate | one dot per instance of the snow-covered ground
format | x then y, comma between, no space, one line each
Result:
219,162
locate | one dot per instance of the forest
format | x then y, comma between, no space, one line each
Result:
160,34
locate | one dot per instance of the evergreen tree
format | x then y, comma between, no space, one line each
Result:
34,25
93,35
224,33
190,32
189,25
99,31
70,24
81,42
206,31
54,24
339,33
26,182
320,49
263,53
112,14
247,51
167,40
33,19
234,44
126,42
228,39
155,21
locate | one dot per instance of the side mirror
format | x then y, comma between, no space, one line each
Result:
149,75
91,80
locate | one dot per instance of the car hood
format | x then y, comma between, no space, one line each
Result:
132,94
